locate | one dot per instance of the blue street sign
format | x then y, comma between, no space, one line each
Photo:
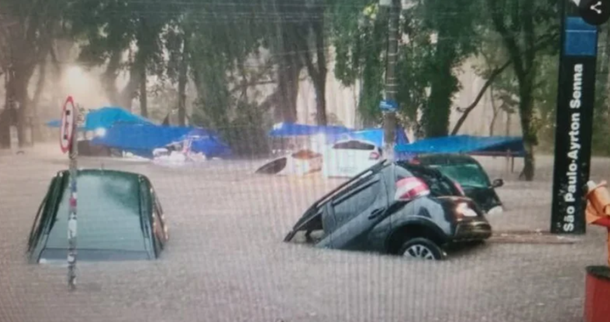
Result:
388,106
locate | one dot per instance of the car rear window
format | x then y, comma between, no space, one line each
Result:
108,215
353,145
436,182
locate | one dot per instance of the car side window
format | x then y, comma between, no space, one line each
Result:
350,205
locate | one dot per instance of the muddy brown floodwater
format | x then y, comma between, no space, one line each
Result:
226,260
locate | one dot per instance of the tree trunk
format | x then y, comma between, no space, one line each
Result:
289,64
321,116
526,114
143,96
18,92
109,77
437,113
130,90
40,85
289,69
495,111
182,80
320,75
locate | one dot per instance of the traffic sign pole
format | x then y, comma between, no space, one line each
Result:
72,223
68,143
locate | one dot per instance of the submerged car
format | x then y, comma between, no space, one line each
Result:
298,163
393,208
470,175
119,218
347,158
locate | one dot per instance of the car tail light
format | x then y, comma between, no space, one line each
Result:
414,161
410,188
374,155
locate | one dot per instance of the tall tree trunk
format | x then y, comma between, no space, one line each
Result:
289,64
321,116
22,105
436,115
130,91
143,96
319,77
18,92
527,126
40,86
289,69
108,78
182,80
519,40
494,109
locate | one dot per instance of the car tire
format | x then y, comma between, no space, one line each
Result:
421,248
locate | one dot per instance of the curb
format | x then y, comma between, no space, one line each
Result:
537,237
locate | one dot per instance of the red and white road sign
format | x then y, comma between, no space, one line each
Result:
66,130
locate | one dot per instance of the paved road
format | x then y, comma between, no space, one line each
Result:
226,261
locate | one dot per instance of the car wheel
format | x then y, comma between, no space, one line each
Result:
421,248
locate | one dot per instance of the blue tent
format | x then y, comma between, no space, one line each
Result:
142,139
465,144
105,118
375,135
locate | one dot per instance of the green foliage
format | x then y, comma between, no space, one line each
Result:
359,34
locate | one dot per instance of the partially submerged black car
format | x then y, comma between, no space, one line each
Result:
370,213
469,174
119,218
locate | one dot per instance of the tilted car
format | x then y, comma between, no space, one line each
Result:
119,218
470,175
371,213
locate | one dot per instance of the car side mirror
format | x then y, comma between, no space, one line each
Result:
497,183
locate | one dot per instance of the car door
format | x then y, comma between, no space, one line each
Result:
355,212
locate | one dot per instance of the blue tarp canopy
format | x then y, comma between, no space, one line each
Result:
105,118
491,145
375,135
142,139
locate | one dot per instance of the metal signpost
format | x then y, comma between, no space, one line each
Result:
67,140
575,102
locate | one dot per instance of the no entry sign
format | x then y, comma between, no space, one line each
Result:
66,130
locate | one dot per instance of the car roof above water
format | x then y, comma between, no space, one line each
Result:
446,158
104,173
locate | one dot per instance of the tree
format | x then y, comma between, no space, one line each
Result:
436,36
315,20
108,28
358,32
519,22
453,25
27,32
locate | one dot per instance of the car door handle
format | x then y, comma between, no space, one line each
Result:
376,213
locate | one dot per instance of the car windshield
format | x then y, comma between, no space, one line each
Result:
438,185
466,174
108,215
